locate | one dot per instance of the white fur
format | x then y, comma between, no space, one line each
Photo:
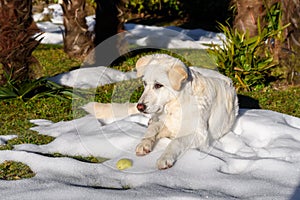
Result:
193,107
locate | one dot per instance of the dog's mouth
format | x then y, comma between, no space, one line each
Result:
157,109
153,110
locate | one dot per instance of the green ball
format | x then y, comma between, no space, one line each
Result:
124,163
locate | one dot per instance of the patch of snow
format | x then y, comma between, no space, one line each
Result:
259,159
151,36
5,138
91,77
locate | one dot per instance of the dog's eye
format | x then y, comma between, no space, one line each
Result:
157,85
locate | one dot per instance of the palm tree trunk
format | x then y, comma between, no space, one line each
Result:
291,47
291,14
109,22
109,19
17,41
248,12
78,40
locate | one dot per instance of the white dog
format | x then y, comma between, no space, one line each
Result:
192,106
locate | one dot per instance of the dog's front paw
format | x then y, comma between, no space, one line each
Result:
165,162
144,147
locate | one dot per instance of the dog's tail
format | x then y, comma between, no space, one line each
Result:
110,111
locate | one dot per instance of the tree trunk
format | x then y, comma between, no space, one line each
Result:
248,12
78,40
17,41
291,14
109,19
109,22
291,47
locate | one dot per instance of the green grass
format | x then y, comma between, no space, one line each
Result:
12,170
191,57
15,113
15,116
53,60
285,101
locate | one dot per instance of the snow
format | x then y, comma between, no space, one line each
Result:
91,77
259,159
142,35
170,37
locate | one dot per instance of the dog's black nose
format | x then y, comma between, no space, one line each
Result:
141,107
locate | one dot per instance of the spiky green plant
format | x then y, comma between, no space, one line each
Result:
32,89
247,60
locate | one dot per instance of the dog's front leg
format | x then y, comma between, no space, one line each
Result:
180,145
148,141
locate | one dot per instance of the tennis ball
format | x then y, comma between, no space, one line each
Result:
124,163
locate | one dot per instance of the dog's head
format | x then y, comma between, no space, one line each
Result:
163,77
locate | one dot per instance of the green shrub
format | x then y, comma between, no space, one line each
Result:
165,7
249,61
244,59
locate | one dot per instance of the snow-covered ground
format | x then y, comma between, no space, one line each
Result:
160,37
259,159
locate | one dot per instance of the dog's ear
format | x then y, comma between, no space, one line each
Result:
178,74
141,65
